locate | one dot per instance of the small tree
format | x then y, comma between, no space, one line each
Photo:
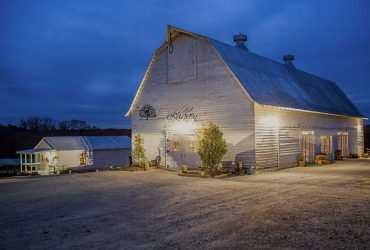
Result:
211,147
138,153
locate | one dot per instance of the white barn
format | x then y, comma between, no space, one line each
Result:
272,114
54,154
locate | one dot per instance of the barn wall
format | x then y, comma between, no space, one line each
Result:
278,134
68,158
101,158
111,157
213,94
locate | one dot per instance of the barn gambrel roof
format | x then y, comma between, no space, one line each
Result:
272,83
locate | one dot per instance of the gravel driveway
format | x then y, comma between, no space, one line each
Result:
299,208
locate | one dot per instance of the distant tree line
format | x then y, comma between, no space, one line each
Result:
32,129
48,124
367,136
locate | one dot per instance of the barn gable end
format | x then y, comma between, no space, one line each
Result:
206,89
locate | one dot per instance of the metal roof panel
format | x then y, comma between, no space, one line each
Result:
272,83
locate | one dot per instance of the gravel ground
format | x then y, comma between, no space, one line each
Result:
299,208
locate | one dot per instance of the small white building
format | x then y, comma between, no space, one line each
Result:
271,113
54,154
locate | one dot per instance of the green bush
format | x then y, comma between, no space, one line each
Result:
211,147
138,153
353,156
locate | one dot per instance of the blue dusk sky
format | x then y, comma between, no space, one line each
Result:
85,59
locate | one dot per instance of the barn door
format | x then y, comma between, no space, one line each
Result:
326,146
343,143
307,146
182,150
288,147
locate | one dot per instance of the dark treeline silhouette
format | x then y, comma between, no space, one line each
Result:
367,136
48,124
31,130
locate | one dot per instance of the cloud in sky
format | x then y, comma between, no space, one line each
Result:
85,59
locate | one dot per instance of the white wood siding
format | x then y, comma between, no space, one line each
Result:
360,137
214,94
68,158
182,60
194,75
288,149
290,124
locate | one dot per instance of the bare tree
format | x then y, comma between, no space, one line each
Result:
74,125
37,123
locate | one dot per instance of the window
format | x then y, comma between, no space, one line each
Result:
192,146
83,158
175,146
326,144
308,132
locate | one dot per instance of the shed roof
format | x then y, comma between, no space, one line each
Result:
88,142
33,150
272,83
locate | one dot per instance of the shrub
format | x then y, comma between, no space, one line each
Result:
138,153
353,156
211,147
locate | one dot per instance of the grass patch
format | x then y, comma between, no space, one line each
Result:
128,168
218,174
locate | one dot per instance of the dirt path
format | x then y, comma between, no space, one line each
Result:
299,208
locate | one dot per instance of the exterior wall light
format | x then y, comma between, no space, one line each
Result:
183,127
272,121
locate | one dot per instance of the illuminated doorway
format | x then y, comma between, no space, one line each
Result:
182,150
326,146
343,143
307,146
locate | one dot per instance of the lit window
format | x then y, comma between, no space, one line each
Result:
326,144
342,133
175,146
308,132
83,158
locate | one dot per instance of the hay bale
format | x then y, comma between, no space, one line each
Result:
184,169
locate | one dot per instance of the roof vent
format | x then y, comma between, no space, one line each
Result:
289,60
240,39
